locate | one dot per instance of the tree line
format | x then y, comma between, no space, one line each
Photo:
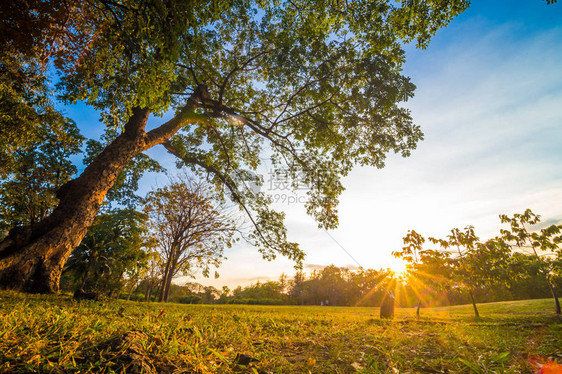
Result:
120,258
521,263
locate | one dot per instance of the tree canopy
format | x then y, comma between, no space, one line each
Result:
315,85
246,77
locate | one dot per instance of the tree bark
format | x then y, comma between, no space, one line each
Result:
32,257
418,309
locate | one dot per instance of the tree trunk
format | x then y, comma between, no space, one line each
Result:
85,276
418,309
32,257
148,292
555,296
131,290
165,277
476,314
133,285
169,281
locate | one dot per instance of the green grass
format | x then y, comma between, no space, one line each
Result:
57,334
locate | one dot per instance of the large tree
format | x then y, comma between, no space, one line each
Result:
241,77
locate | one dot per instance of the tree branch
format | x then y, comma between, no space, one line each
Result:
224,179
136,123
234,71
186,115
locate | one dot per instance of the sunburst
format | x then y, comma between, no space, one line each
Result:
398,267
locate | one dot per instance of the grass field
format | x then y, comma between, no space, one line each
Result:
57,334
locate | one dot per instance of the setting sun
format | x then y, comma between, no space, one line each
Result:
397,266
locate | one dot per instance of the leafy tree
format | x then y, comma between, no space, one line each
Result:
37,140
368,283
29,181
413,245
546,239
490,262
113,246
466,245
190,230
270,290
296,287
434,274
153,276
34,32
140,270
223,297
527,279
242,77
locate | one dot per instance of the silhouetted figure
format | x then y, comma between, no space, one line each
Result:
387,306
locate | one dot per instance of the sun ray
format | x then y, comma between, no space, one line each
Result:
398,267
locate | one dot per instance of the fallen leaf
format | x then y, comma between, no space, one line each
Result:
357,366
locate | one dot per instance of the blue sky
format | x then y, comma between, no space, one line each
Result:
489,100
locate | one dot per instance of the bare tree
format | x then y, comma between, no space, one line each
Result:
190,228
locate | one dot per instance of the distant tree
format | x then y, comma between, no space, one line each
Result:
546,239
140,270
224,294
434,274
261,291
152,278
190,229
465,244
413,245
296,287
333,285
368,283
526,279
210,295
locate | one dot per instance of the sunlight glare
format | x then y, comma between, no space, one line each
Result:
398,267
